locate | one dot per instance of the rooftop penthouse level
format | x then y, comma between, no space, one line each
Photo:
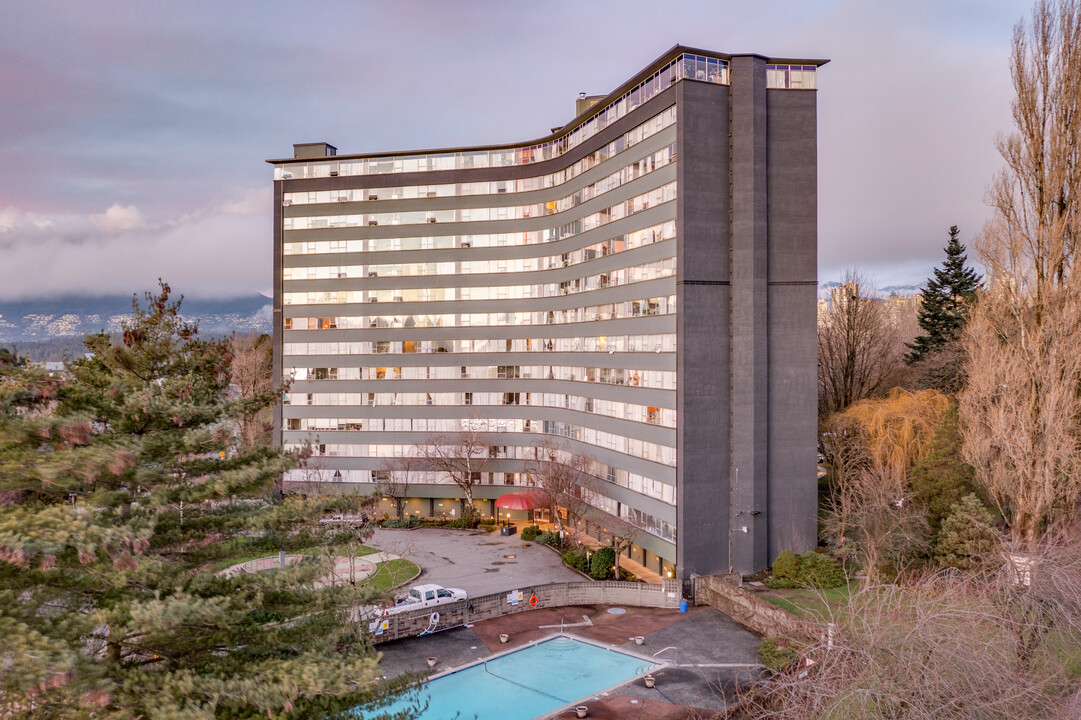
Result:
637,288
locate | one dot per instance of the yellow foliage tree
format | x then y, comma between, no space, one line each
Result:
873,444
897,428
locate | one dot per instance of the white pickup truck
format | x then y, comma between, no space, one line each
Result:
419,597
425,596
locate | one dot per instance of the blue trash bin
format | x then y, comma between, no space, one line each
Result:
683,606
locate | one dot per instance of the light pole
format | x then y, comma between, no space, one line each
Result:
731,516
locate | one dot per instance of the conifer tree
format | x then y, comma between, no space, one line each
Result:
940,478
946,297
122,488
967,539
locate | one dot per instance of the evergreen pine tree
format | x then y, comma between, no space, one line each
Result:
967,539
940,478
946,297
122,489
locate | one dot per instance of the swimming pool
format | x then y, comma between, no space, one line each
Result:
524,684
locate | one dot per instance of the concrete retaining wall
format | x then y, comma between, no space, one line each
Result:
485,607
749,610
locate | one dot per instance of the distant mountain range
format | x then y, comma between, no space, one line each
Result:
29,322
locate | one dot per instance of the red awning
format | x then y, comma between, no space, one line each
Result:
523,500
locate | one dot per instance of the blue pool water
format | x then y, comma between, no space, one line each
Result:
526,683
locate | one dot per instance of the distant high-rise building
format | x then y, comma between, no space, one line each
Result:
639,287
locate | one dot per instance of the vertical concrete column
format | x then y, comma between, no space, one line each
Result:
276,325
793,343
702,297
750,317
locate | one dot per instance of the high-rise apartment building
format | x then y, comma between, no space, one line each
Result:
638,287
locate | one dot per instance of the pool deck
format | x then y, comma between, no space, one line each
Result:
706,652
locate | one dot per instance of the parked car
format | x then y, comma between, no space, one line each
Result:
354,521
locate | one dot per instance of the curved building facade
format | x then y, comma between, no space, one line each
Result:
637,288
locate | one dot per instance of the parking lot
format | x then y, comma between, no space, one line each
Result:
476,561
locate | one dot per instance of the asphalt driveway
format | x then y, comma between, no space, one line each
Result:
476,561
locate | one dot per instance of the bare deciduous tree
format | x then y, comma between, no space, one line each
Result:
1020,408
860,348
1033,236
562,475
396,479
872,513
462,457
957,645
622,535
252,370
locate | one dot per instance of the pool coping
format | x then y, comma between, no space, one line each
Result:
658,663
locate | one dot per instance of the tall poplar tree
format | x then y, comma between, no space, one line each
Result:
121,490
948,294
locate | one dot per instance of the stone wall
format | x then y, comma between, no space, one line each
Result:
751,611
485,607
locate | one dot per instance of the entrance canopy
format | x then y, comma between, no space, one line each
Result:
532,499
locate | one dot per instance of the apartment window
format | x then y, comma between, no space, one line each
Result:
468,399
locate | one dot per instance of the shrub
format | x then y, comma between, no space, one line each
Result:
775,653
967,540
810,569
819,571
786,565
603,565
548,538
409,521
576,558
530,532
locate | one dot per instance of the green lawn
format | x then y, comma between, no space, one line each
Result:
813,604
391,574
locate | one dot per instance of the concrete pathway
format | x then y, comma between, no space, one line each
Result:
345,567
633,566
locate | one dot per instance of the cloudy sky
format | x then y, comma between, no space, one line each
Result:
133,134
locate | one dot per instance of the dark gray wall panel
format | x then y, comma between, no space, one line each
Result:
793,232
703,339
